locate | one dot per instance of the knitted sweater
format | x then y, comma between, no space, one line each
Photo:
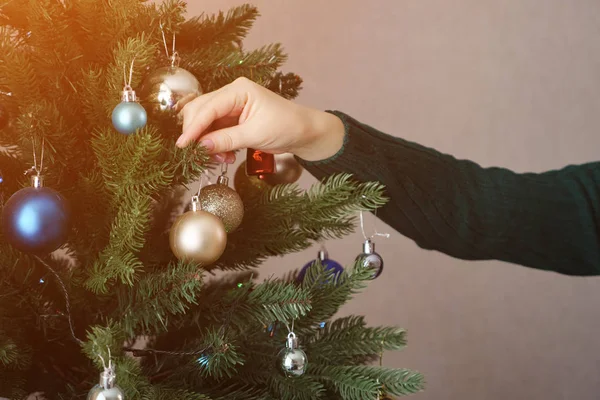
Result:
543,220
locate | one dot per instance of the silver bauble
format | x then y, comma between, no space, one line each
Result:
292,359
165,91
100,393
106,389
370,259
293,362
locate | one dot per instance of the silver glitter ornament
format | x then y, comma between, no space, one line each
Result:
292,359
165,91
370,259
106,389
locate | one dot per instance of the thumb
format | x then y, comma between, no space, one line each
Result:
220,104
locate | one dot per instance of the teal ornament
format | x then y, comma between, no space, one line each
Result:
129,115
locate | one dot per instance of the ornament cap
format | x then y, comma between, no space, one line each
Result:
368,247
322,256
37,181
175,60
107,378
292,341
128,94
223,180
196,205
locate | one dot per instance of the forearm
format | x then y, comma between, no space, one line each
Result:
545,221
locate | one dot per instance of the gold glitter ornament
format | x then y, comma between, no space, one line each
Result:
248,185
224,202
198,236
287,170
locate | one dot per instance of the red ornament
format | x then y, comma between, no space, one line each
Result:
259,163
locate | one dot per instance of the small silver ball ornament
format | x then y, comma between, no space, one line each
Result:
106,389
370,259
293,359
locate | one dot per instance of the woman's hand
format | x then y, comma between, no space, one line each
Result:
244,114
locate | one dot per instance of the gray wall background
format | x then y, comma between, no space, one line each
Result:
506,83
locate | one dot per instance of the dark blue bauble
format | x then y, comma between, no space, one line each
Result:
36,220
329,265
129,116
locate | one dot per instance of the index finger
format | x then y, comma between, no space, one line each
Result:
203,111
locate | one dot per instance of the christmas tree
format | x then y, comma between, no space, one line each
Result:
123,296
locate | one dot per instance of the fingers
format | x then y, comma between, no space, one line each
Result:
225,140
200,114
228,157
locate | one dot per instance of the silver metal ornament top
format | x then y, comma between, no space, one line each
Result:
108,378
175,60
223,180
292,341
128,94
37,181
322,256
196,205
368,247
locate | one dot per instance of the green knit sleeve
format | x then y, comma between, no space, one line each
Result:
543,220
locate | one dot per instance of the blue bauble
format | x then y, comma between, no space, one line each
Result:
35,220
329,265
129,116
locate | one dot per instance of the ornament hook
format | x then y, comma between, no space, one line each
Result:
35,170
128,82
174,56
375,231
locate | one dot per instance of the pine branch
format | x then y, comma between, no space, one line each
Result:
284,219
348,383
288,86
219,29
223,65
299,388
168,292
345,339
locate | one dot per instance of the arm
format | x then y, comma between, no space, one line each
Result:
547,221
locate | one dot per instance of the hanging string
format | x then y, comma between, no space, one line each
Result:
125,81
164,40
35,168
65,295
290,330
109,367
173,56
202,177
375,232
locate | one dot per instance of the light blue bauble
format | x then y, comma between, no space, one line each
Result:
129,116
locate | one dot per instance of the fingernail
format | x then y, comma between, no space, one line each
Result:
230,159
208,144
218,157
180,142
